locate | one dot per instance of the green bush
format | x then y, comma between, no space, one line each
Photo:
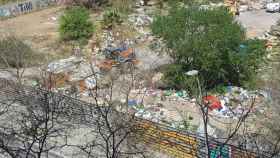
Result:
15,53
75,24
210,41
111,17
123,6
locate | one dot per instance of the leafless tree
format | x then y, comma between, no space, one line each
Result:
15,55
34,125
113,130
267,136
231,132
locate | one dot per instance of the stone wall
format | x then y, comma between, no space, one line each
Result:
23,7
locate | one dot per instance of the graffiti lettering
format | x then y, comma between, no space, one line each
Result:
25,7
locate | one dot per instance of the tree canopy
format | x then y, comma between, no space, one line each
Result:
210,41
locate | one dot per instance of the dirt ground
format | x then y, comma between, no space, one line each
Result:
38,29
257,22
36,24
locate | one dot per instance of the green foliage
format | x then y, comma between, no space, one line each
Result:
15,53
111,17
123,6
210,41
75,24
221,89
175,78
190,2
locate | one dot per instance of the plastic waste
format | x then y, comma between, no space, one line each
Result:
132,103
167,93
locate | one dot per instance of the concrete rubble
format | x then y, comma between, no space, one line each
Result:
275,30
73,72
140,19
63,65
248,5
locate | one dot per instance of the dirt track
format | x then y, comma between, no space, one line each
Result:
257,22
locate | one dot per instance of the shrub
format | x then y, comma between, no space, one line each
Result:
123,6
75,24
211,41
15,53
111,17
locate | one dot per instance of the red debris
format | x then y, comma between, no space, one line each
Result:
213,102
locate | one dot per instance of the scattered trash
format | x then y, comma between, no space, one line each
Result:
120,54
140,19
90,82
212,102
210,130
273,7
132,103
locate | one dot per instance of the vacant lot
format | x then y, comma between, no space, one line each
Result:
38,29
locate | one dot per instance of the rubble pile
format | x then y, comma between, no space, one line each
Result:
75,72
274,32
234,103
140,21
237,101
63,65
246,5
273,39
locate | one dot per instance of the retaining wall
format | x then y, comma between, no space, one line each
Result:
160,137
23,7
187,145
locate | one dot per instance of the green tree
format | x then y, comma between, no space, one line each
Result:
211,41
75,24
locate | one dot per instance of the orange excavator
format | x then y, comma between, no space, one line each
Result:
233,6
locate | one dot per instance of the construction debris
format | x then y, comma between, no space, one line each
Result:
121,54
64,65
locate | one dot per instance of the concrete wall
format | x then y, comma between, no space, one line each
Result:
19,8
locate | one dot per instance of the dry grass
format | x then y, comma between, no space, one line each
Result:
3,2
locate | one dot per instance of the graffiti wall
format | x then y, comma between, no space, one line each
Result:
15,9
173,143
187,145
